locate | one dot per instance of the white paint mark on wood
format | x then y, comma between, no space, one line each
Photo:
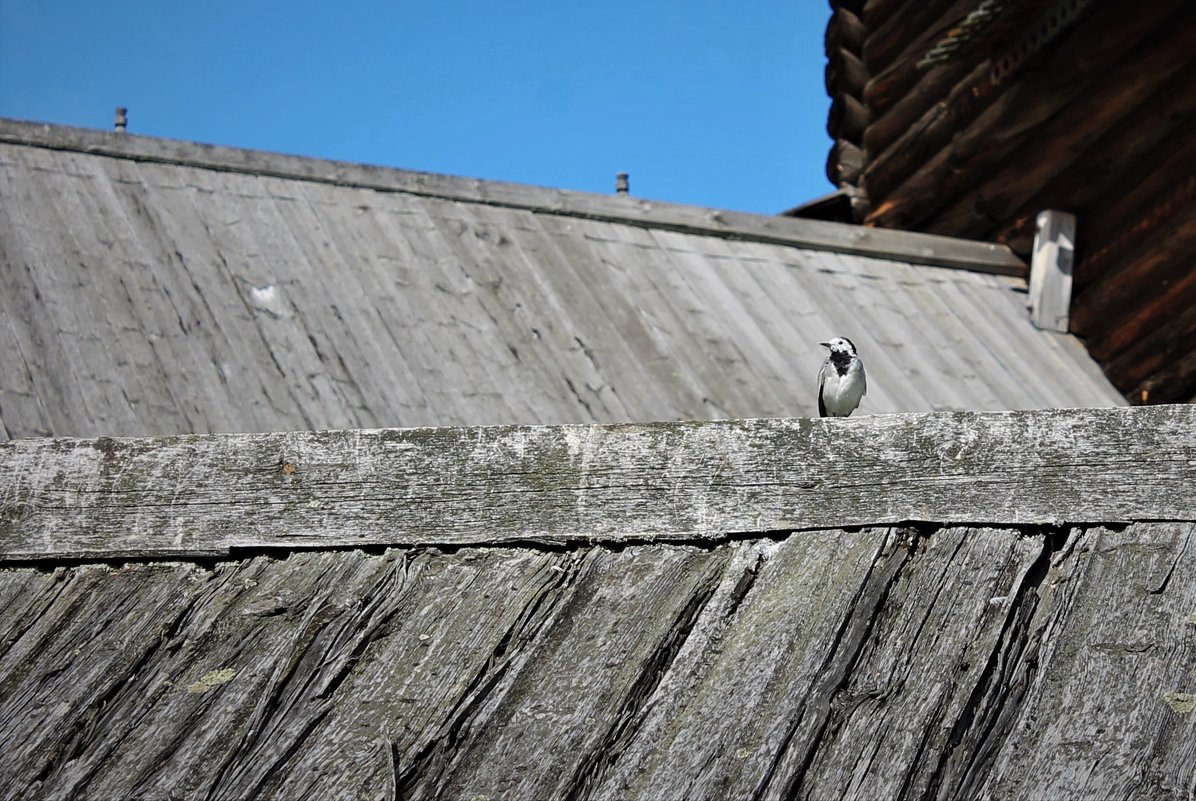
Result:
269,300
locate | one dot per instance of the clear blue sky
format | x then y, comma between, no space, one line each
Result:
711,102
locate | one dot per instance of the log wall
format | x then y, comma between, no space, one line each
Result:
978,115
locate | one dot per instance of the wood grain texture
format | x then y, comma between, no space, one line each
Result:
845,76
932,86
207,495
922,248
1155,352
907,191
935,662
1057,143
233,302
1105,654
1142,152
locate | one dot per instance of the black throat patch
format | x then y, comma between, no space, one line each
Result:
841,359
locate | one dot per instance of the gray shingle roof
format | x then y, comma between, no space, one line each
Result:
159,287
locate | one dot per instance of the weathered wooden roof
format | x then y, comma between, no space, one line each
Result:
969,118
671,611
159,287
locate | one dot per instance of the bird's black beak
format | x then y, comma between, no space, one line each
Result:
825,344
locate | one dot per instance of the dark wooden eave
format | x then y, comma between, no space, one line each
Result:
967,119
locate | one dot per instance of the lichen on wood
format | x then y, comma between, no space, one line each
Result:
895,662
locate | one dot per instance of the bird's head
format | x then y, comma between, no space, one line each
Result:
840,345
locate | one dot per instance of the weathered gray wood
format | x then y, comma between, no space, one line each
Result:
761,664
1055,355
20,404
942,663
584,298
312,393
834,661
44,349
1008,367
619,628
1050,270
919,248
721,346
455,251
1101,685
395,309
143,319
646,288
349,335
224,351
187,495
204,682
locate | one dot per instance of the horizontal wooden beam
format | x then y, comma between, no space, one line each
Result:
1149,207
1136,322
1112,169
814,234
847,118
1175,382
844,74
929,134
687,481
909,30
930,86
1160,266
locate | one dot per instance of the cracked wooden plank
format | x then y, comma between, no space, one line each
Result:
545,729
923,666
324,660
1112,643
674,481
735,697
907,663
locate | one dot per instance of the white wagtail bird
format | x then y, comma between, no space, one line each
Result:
841,381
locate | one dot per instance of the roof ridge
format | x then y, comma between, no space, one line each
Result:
813,234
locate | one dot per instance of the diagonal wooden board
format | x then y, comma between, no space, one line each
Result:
960,662
915,247
195,495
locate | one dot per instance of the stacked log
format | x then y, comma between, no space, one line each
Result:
846,77
974,115
1076,71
